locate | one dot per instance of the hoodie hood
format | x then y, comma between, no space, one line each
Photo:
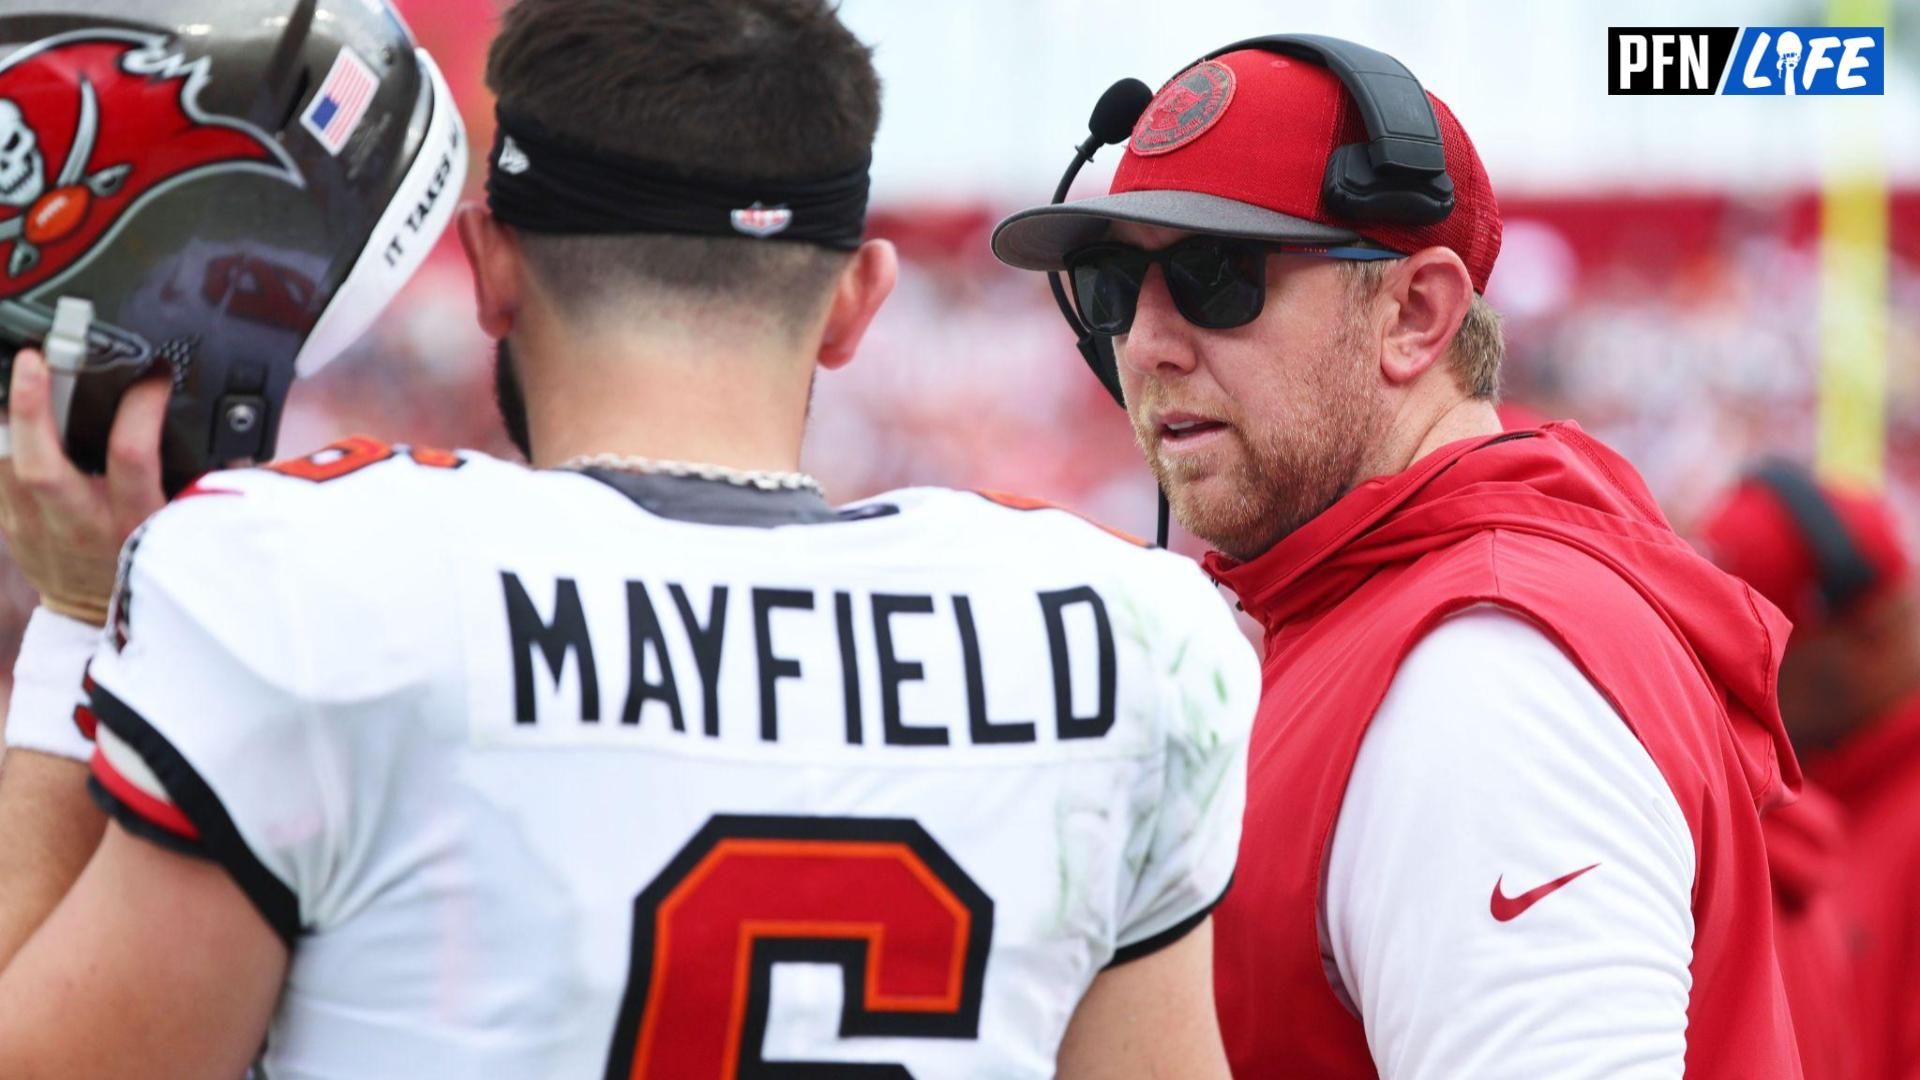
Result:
1804,842
1553,481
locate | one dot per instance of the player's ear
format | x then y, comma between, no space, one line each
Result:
493,254
1428,294
864,285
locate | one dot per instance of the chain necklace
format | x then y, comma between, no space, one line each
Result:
762,479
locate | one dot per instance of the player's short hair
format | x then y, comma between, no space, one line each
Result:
747,89
1478,346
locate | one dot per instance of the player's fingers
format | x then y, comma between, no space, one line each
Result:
40,463
10,494
133,452
14,503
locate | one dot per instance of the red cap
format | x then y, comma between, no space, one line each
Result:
1753,536
1238,145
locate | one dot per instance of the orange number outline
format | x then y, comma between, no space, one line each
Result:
355,452
833,860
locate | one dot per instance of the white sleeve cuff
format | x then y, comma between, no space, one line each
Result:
46,686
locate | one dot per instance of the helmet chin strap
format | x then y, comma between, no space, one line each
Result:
66,352
64,337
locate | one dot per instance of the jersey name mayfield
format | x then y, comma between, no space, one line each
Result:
945,624
543,774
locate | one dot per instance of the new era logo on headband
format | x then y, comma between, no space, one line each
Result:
512,160
762,221
544,181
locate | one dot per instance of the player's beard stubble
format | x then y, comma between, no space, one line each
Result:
1282,469
509,399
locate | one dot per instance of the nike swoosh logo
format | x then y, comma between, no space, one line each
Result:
1506,908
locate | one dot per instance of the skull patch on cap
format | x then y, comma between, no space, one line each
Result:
1184,109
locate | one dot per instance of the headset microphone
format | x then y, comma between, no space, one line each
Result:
1114,116
1112,121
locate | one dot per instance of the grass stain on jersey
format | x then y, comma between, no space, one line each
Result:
1074,856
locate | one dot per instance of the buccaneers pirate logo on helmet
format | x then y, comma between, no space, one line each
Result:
162,160
91,123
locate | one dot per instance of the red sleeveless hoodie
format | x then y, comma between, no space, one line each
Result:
1560,530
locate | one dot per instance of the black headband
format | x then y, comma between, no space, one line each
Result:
545,183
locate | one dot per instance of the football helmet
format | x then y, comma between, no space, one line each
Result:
237,188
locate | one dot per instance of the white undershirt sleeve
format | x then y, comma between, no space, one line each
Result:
1492,770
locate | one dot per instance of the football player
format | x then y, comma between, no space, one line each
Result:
647,760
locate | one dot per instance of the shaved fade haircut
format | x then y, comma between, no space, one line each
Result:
745,89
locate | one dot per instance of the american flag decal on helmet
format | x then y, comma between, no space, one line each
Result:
341,102
762,221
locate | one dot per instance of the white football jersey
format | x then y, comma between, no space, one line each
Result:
544,774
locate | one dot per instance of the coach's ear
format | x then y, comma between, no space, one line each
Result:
1427,295
493,254
864,285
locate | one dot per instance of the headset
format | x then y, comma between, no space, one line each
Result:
1398,176
1844,573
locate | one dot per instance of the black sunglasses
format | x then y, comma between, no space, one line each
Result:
1217,282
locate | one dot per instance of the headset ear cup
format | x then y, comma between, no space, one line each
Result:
1347,176
1355,190
1843,571
1097,351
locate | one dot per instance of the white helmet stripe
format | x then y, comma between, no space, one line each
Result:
421,208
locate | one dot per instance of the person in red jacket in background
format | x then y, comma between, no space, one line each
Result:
1805,852
1834,561
1516,735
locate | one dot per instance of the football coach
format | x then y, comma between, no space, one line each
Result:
1516,737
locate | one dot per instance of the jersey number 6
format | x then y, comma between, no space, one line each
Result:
876,896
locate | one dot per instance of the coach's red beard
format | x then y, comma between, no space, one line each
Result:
1268,476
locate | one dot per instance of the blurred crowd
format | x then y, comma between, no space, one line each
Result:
1682,328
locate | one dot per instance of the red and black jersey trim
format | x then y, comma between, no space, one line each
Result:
83,717
132,821
219,838
1148,946
156,813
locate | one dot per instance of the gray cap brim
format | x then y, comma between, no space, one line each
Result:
1040,238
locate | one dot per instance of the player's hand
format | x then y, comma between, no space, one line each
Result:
63,527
